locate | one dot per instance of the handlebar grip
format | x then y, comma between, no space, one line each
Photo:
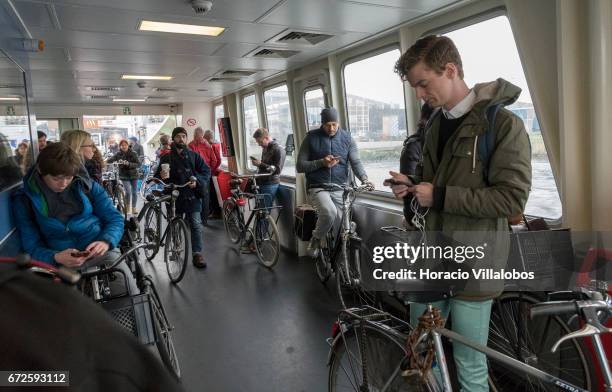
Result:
553,308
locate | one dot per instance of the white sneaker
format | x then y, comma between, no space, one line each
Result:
313,247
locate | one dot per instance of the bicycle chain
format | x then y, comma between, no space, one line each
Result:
364,368
421,364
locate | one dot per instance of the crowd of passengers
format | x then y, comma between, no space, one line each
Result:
62,208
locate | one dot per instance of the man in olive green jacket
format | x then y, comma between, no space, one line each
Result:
461,193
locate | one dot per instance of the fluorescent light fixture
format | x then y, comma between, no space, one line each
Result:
145,77
9,98
148,25
129,99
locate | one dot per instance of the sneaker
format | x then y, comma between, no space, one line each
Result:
198,261
313,247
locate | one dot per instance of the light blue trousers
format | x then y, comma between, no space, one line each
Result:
470,319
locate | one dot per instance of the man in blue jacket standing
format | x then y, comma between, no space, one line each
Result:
325,157
63,217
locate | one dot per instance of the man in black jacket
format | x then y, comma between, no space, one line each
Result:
272,161
184,164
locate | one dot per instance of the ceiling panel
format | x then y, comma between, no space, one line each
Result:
344,16
110,41
34,14
416,5
240,10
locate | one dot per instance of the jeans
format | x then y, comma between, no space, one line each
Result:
269,189
329,210
197,231
470,319
131,192
108,259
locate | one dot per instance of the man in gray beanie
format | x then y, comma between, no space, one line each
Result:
325,157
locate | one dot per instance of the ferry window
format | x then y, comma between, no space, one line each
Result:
502,60
49,127
107,131
314,102
250,123
16,152
278,116
376,113
219,113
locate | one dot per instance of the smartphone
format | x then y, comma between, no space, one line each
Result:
252,158
84,253
337,157
393,181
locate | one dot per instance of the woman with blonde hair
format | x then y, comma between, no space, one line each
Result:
81,142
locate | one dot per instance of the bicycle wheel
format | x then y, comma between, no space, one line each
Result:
152,230
350,292
231,220
267,240
177,249
512,332
163,336
380,354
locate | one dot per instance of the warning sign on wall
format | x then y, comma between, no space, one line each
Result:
191,122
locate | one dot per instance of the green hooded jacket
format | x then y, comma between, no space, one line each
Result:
470,203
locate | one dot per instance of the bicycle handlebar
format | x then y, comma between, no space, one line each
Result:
557,308
171,186
365,187
254,175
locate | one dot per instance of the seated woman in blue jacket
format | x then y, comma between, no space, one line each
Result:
60,212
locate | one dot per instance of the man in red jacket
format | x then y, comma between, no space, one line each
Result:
215,208
202,147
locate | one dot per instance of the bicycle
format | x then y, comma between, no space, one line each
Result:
342,253
264,233
364,338
175,238
114,187
141,314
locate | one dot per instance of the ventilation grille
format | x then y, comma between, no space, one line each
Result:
103,88
235,72
272,53
100,97
156,97
165,89
303,37
222,79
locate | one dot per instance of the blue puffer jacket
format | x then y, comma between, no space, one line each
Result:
42,237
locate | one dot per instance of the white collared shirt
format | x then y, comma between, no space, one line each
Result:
464,106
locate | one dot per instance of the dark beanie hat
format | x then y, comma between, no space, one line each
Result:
178,130
329,115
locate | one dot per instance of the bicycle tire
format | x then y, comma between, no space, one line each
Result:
351,294
177,249
383,356
163,337
512,332
267,241
152,230
231,220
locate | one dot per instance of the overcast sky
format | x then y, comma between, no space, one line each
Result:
488,51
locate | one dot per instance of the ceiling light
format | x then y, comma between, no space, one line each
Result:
147,25
145,77
9,98
129,99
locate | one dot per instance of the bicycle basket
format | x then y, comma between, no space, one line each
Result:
134,314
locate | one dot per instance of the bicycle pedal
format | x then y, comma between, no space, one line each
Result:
412,373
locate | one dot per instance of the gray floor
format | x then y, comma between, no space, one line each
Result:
241,327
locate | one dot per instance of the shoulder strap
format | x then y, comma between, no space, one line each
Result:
486,142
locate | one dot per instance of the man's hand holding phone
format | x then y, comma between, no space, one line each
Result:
72,258
400,184
255,161
97,248
331,161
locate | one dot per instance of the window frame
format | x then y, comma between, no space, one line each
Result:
483,17
244,151
224,165
284,177
376,194
312,88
